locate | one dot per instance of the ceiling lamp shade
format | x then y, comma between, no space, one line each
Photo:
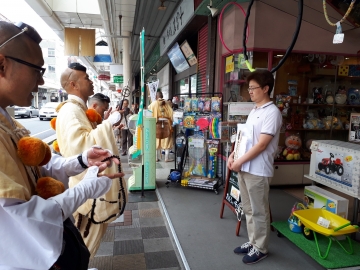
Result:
162,7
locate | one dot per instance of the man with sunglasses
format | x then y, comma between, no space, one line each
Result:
36,233
75,132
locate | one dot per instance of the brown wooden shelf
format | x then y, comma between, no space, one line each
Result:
235,82
324,105
307,129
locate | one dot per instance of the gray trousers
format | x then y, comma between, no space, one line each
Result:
254,192
126,140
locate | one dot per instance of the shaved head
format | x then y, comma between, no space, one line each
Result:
22,46
21,64
76,81
67,76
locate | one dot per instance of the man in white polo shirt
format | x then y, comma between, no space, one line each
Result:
255,167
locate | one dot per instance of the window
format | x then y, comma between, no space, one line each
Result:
51,69
51,52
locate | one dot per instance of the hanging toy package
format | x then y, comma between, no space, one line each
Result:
215,104
187,104
201,104
215,127
207,105
194,104
197,153
189,121
212,147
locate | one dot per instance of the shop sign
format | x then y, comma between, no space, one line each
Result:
176,24
189,54
229,64
118,79
112,87
240,108
104,76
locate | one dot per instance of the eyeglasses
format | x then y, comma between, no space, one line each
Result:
40,69
30,31
253,88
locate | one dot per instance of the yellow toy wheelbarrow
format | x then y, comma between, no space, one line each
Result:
311,218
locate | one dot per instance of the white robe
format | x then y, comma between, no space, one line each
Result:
31,229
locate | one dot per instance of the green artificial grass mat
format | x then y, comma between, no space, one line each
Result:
337,258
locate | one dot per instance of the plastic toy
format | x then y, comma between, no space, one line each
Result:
329,165
338,226
317,95
212,162
293,143
353,96
214,128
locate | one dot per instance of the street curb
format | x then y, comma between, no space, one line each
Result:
50,140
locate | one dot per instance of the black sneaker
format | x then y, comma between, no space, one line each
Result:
243,249
254,256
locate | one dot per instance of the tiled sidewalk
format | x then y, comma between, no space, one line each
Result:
140,242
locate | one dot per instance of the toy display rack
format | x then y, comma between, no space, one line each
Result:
183,162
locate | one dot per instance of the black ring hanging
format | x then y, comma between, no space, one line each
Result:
295,36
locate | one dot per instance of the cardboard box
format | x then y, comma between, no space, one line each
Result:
336,164
315,197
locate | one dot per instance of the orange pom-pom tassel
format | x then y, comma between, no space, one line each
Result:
92,115
53,123
55,146
47,155
31,151
48,187
99,119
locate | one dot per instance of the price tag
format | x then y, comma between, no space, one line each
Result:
178,114
197,143
323,222
339,36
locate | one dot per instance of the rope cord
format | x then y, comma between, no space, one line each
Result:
343,18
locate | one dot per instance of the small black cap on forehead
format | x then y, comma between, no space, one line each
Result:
31,32
77,66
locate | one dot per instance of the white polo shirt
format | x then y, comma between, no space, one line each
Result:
266,119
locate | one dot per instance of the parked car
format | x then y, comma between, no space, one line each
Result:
48,111
26,111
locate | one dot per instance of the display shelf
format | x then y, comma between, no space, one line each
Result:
324,105
308,129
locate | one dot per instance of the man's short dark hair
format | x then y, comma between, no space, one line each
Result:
263,77
101,97
77,66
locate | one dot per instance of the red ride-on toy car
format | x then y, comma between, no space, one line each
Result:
329,165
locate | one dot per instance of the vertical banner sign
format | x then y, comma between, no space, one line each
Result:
139,124
153,86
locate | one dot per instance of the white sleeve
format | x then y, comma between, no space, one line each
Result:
31,233
62,168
